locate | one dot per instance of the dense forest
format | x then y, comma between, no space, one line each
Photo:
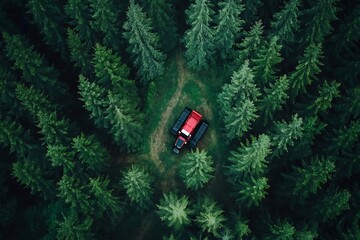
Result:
90,89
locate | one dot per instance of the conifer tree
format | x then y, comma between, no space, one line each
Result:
75,194
105,199
327,93
8,100
351,102
251,191
53,129
275,96
210,216
251,7
90,152
174,211
237,102
161,13
310,177
250,158
61,156
79,13
32,66
28,173
137,184
143,43
104,19
286,22
228,26
267,58
71,227
241,228
284,134
79,52
281,231
332,205
250,44
344,138
199,38
50,20
318,20
196,169
307,69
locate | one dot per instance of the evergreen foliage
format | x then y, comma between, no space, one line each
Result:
71,227
327,93
251,8
60,156
12,136
173,210
143,43
196,169
251,191
282,231
137,184
199,38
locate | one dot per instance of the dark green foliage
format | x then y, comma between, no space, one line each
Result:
210,216
196,169
161,13
264,64
345,137
8,100
327,93
251,7
310,177
51,20
199,38
318,20
251,191
90,152
32,65
250,158
285,22
105,20
12,136
284,134
332,204
137,184
351,102
275,96
28,173
53,129
71,227
307,69
281,231
174,211
143,43
60,156
228,27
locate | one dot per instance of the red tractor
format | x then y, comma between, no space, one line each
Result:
189,128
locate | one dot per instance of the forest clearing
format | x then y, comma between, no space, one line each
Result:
90,91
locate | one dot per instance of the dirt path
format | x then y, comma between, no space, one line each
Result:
157,144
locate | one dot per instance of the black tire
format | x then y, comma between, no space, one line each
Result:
180,121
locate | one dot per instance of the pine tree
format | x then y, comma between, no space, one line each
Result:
275,96
199,38
74,193
90,152
251,7
241,228
318,20
61,156
250,44
32,66
327,93
104,19
307,69
137,184
105,199
79,13
251,191
12,136
237,102
332,205
282,231
284,134
143,43
53,129
162,14
267,58
344,138
210,217
285,22
8,100
250,158
28,173
174,211
351,102
79,52
94,98
50,20
71,227
310,177
196,169
228,27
